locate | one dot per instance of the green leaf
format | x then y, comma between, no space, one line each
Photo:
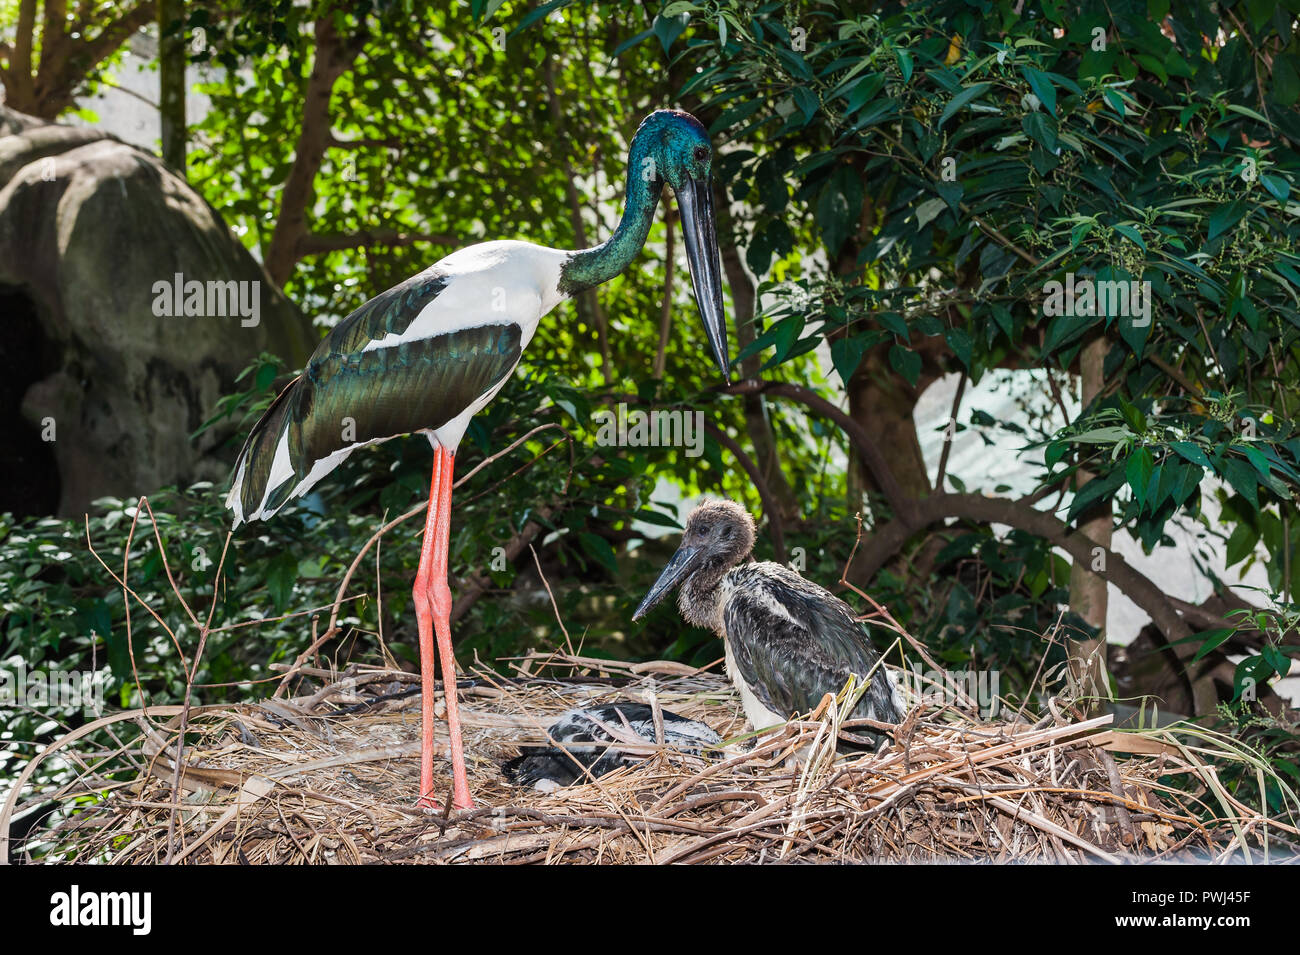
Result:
1039,128
1138,474
281,575
1242,478
1002,315
1225,217
1098,489
894,322
904,63
959,341
961,99
1278,187
1276,659
863,91
1042,87
1241,544
1132,235
846,355
1247,111
599,549
906,362
1252,672
838,208
927,211
807,102
1212,639
1193,453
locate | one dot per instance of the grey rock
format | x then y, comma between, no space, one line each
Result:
88,226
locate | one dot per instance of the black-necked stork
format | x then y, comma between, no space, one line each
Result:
428,354
590,739
788,642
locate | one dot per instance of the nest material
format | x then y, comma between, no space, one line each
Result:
330,778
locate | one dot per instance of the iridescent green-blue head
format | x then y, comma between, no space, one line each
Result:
674,147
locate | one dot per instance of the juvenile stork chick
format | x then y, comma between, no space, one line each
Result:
788,641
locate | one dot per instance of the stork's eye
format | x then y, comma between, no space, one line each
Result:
701,153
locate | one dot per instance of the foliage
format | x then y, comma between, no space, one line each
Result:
906,182
955,162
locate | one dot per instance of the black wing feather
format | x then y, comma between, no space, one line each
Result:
577,726
791,662
347,395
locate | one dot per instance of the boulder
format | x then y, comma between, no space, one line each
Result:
127,309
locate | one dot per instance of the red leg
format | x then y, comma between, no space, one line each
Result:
442,625
422,594
433,614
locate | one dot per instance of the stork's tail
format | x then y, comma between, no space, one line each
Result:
265,473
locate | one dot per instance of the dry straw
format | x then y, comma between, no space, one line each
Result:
329,776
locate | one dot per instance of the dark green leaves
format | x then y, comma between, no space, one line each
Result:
838,208
906,362
281,574
961,99
1138,473
1042,87
1193,453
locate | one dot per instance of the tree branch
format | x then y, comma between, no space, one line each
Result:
871,456
334,57
314,243
885,542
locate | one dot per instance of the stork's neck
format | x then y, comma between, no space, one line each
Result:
700,598
591,267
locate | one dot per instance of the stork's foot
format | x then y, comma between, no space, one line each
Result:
428,802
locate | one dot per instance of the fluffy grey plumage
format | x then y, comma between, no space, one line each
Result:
788,641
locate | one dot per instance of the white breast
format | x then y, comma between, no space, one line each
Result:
759,716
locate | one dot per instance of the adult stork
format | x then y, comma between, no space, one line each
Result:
428,354
788,641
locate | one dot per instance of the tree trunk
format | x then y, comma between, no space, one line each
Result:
882,403
68,53
1088,597
171,82
334,57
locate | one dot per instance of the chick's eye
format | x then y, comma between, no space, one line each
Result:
701,153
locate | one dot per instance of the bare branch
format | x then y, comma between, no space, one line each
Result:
314,244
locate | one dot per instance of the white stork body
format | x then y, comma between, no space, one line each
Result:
492,283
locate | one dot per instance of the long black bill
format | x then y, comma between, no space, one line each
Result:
679,567
695,199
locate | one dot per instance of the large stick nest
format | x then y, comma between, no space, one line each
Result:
331,776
